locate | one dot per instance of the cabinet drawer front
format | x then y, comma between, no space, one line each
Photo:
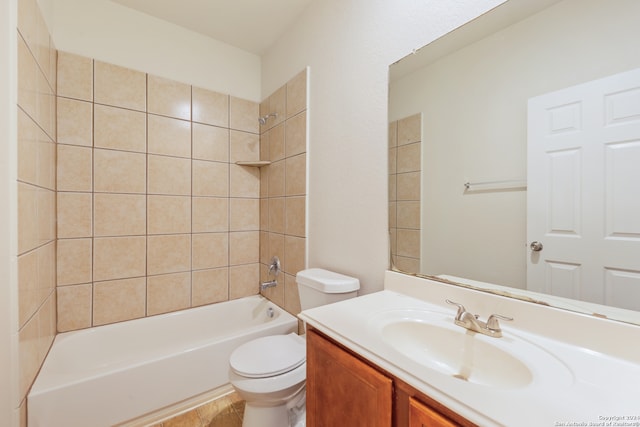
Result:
420,415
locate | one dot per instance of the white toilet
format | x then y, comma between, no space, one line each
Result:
269,373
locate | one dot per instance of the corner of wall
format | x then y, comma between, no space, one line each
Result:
283,187
9,412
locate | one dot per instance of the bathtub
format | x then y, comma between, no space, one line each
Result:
110,374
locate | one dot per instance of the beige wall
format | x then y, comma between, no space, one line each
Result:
283,188
348,46
404,192
9,403
153,213
36,183
119,35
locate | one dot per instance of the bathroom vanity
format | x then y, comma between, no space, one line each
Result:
398,358
345,389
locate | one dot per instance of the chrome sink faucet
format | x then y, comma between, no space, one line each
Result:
471,322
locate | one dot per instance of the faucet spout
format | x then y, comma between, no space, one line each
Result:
471,322
269,284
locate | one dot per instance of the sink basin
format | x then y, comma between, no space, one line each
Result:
432,340
457,353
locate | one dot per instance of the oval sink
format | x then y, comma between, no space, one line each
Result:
457,353
432,340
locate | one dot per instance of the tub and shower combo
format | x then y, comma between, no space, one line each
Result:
111,374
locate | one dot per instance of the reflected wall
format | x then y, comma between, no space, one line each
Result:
473,103
404,192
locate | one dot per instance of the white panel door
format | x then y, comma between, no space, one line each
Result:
583,191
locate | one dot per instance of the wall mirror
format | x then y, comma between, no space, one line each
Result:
462,174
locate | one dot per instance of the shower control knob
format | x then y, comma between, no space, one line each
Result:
536,246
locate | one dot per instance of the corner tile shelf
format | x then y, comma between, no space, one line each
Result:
258,163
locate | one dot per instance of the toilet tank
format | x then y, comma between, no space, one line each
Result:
317,287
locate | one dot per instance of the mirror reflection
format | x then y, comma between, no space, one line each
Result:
491,180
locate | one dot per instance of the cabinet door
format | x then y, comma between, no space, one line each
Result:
342,390
420,415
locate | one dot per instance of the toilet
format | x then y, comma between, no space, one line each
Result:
269,373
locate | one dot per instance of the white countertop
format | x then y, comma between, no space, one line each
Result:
573,384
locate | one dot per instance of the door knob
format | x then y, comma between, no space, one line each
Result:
536,246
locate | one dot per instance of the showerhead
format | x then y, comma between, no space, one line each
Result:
263,119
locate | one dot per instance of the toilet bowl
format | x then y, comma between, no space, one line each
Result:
269,373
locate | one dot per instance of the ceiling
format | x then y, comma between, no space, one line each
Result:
251,25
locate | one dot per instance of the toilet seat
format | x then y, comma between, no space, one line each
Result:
269,356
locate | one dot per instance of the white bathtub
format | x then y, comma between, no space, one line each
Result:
113,373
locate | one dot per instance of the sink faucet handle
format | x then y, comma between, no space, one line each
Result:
461,309
492,321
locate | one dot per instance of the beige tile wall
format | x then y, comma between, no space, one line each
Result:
153,213
404,192
36,195
283,188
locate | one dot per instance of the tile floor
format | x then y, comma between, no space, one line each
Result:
225,411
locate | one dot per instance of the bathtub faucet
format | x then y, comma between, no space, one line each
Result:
274,269
269,284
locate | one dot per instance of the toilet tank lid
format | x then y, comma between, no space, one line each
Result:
327,281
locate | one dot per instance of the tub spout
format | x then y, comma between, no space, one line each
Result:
269,284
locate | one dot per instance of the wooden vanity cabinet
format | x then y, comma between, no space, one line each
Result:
343,389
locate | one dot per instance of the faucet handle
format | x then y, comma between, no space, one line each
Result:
492,321
274,267
461,309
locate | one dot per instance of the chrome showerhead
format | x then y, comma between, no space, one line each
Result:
263,119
